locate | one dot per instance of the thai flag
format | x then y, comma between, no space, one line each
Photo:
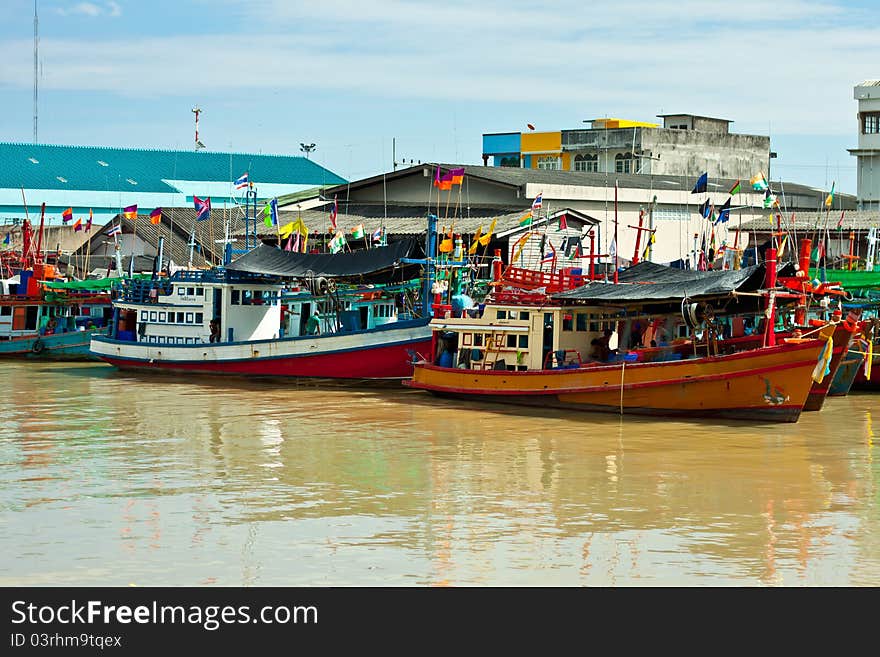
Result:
539,199
203,208
114,230
548,257
377,235
242,182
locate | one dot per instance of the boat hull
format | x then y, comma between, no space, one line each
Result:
841,337
846,374
73,345
382,353
769,384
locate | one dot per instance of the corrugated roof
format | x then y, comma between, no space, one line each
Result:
852,220
518,177
98,168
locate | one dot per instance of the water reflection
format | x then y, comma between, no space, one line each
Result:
114,479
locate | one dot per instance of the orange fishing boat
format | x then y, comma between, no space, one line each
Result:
768,384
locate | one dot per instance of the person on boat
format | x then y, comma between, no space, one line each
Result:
313,324
51,325
601,351
214,324
90,325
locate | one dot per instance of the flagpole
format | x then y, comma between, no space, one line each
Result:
616,245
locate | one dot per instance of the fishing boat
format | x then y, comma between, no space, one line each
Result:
40,316
531,349
271,313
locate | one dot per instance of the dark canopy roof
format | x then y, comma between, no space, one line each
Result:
272,261
647,282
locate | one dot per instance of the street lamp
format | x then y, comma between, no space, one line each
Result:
306,148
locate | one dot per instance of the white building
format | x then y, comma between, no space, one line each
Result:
868,151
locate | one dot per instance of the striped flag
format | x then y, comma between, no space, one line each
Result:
203,208
77,225
156,216
131,212
89,222
538,202
242,181
114,230
334,212
67,215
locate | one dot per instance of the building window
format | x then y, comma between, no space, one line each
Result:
189,318
478,339
181,291
586,163
567,323
161,316
524,315
200,292
191,291
523,342
871,123
548,162
180,318
235,297
623,163
511,341
152,315
143,315
581,322
509,162
200,318
501,314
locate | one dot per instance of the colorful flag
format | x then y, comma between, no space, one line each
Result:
563,222
242,181
446,245
114,230
735,189
8,238
297,227
549,256
575,252
723,213
89,222
830,198
759,183
334,212
702,183
203,208
337,243
526,219
840,221
457,175
538,202
704,209
770,199
443,182
357,232
156,216
270,213
67,215
476,242
484,240
77,225
377,235
131,212
822,368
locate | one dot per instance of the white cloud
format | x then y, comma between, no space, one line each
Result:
91,9
794,74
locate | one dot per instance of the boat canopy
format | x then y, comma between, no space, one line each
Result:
648,282
272,261
90,285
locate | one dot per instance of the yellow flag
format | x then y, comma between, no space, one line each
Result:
298,226
446,246
869,357
476,242
484,240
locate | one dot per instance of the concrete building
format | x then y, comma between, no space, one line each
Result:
868,151
686,145
662,202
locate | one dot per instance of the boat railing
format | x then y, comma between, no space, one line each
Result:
532,279
564,359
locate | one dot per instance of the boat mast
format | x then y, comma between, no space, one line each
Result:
36,66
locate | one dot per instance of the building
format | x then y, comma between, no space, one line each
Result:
686,145
104,180
868,151
663,203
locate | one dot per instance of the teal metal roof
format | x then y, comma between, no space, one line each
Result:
95,168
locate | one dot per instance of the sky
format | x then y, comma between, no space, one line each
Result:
351,76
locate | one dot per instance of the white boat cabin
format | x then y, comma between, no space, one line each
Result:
197,308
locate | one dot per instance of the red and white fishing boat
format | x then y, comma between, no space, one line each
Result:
244,320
